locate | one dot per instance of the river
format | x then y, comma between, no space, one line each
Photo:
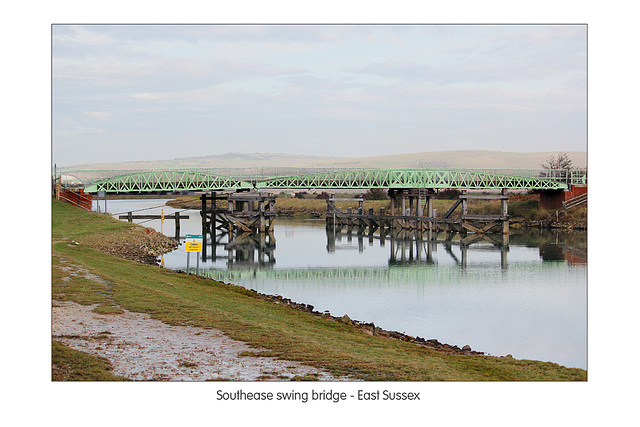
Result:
528,299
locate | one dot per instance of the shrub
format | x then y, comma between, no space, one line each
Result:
375,194
448,194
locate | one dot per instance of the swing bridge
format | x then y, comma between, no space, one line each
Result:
245,179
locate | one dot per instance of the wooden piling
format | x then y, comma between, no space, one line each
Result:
417,217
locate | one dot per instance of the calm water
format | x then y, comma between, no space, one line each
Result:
528,300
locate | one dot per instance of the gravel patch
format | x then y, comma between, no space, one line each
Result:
142,348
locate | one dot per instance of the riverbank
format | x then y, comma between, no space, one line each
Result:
336,346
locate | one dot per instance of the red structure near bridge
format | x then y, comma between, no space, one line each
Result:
563,199
76,197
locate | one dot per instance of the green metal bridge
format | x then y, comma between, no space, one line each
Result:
293,178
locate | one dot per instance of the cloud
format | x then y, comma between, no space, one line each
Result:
323,89
102,116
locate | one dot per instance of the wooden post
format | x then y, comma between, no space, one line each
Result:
464,203
430,215
372,225
203,212
130,216
404,210
214,214
177,216
504,211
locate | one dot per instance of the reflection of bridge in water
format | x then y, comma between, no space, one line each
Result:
250,257
432,274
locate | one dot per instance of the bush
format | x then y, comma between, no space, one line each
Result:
448,194
376,194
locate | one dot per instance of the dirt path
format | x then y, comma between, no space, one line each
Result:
142,348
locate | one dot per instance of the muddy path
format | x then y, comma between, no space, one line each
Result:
142,348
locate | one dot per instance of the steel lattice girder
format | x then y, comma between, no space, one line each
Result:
166,181
411,179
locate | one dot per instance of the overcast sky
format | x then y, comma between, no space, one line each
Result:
150,92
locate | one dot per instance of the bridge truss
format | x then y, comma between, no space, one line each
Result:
170,181
416,178
200,180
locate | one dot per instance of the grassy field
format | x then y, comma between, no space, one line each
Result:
180,299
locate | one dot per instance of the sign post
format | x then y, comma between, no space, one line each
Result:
103,194
193,243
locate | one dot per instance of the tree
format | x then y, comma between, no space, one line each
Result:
557,167
559,161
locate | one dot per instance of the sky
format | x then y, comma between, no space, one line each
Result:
158,92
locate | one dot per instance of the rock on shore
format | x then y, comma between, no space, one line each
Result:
138,244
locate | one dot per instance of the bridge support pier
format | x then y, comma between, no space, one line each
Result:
481,224
245,211
417,215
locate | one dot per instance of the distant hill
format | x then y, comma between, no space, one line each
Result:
436,159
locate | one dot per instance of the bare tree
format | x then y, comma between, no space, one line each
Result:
557,167
559,161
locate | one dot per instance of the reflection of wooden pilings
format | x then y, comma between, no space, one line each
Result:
464,249
410,247
503,256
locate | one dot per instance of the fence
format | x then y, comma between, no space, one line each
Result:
75,197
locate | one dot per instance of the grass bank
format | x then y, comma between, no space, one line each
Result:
71,365
180,299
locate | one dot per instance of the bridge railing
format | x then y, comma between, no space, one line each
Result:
566,176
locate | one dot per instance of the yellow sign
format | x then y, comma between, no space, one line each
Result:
193,246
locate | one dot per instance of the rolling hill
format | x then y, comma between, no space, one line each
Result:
436,159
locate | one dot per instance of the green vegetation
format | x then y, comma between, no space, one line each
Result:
71,365
180,299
